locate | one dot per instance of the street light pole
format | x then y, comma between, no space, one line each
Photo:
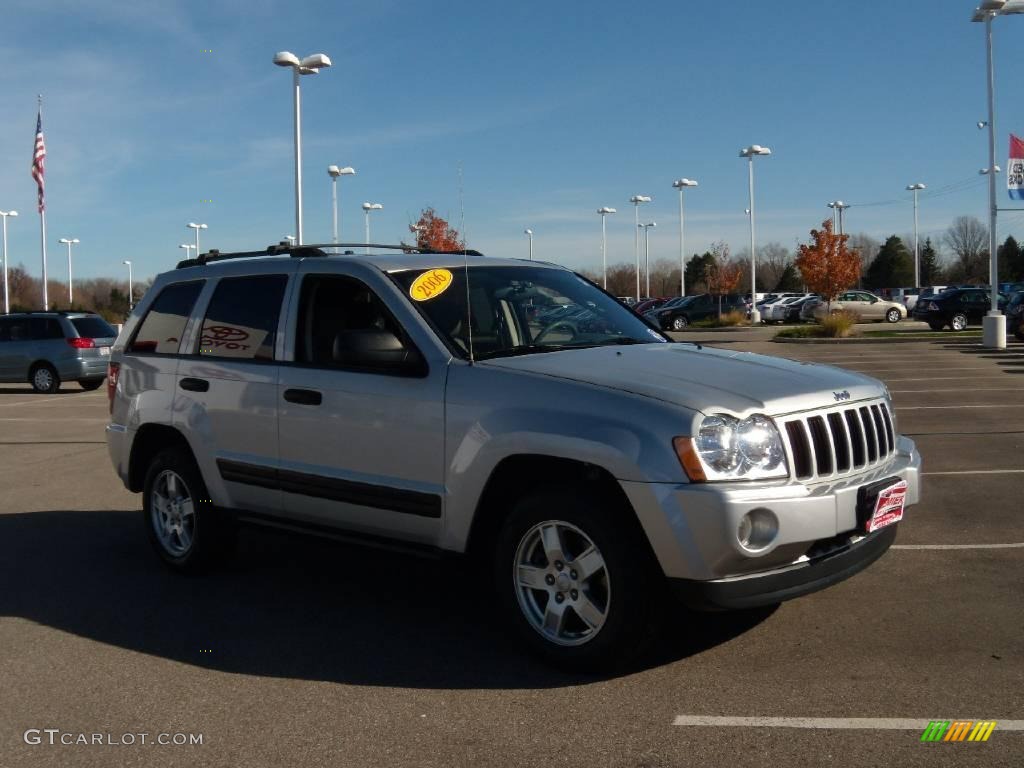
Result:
915,188
334,172
682,184
647,256
7,297
131,300
187,247
310,65
197,227
367,207
529,234
749,153
637,201
69,242
604,211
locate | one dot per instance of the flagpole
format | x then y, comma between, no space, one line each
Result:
42,221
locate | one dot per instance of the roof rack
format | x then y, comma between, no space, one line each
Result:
312,250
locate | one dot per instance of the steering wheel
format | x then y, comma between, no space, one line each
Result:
557,324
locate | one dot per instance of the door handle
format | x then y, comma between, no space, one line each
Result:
303,396
194,385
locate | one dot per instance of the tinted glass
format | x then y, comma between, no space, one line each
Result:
93,328
5,330
332,305
521,310
19,329
44,328
241,321
161,330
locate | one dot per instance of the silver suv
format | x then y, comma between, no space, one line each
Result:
441,402
46,348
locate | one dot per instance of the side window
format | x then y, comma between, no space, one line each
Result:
343,324
241,321
5,330
161,329
45,328
19,330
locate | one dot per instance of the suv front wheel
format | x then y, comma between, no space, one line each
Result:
575,582
186,530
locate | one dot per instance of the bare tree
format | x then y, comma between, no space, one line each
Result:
966,238
772,258
866,246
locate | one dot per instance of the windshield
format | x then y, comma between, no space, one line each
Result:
521,310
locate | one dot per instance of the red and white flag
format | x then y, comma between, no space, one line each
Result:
38,161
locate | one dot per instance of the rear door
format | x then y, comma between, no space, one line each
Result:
13,330
362,445
226,387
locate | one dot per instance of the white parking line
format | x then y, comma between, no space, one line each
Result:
52,399
958,546
951,378
961,390
843,723
978,472
955,407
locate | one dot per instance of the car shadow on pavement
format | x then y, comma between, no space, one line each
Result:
292,607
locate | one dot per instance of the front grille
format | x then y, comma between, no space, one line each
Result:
839,441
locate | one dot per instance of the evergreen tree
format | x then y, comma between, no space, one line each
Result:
789,280
696,268
931,270
1011,261
893,267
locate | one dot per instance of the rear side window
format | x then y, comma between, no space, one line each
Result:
93,328
241,321
161,330
44,328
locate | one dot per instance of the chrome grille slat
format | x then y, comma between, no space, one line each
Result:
839,441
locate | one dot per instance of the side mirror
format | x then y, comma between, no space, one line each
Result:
375,349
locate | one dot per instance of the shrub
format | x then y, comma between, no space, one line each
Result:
838,325
728,320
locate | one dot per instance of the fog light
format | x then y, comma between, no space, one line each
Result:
757,529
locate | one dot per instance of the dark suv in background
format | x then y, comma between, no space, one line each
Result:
46,348
956,307
695,308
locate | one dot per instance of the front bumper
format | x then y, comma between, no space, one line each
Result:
693,529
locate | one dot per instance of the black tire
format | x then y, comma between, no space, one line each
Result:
936,326
679,323
44,379
91,384
893,315
212,531
958,319
632,578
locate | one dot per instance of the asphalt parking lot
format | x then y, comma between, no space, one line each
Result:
304,653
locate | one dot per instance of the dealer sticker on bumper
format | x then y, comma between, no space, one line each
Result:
888,506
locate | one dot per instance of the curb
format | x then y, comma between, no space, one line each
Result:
880,340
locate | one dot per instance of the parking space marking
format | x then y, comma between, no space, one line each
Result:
1019,545
955,407
977,472
45,400
842,723
957,389
1000,376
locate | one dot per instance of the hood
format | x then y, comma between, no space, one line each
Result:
703,379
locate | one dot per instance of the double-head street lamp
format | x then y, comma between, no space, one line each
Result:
637,201
367,207
334,172
187,248
7,297
682,184
290,239
196,227
529,234
310,65
131,300
837,206
69,242
647,255
604,211
915,188
754,150
993,324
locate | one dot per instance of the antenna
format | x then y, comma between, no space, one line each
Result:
465,257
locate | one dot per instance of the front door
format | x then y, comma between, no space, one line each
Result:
362,443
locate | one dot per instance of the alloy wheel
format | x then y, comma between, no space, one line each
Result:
172,513
959,322
562,583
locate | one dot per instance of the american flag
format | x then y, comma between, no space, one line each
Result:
38,161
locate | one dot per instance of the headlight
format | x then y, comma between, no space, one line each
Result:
727,448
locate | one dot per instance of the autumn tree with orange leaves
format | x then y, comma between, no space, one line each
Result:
435,234
827,266
720,275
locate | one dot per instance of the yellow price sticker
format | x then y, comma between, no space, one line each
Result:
430,284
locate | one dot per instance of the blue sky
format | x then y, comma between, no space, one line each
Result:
552,109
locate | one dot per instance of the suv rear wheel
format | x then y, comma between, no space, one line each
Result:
958,322
186,530
44,379
575,582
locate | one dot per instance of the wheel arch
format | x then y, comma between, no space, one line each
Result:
149,441
504,486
